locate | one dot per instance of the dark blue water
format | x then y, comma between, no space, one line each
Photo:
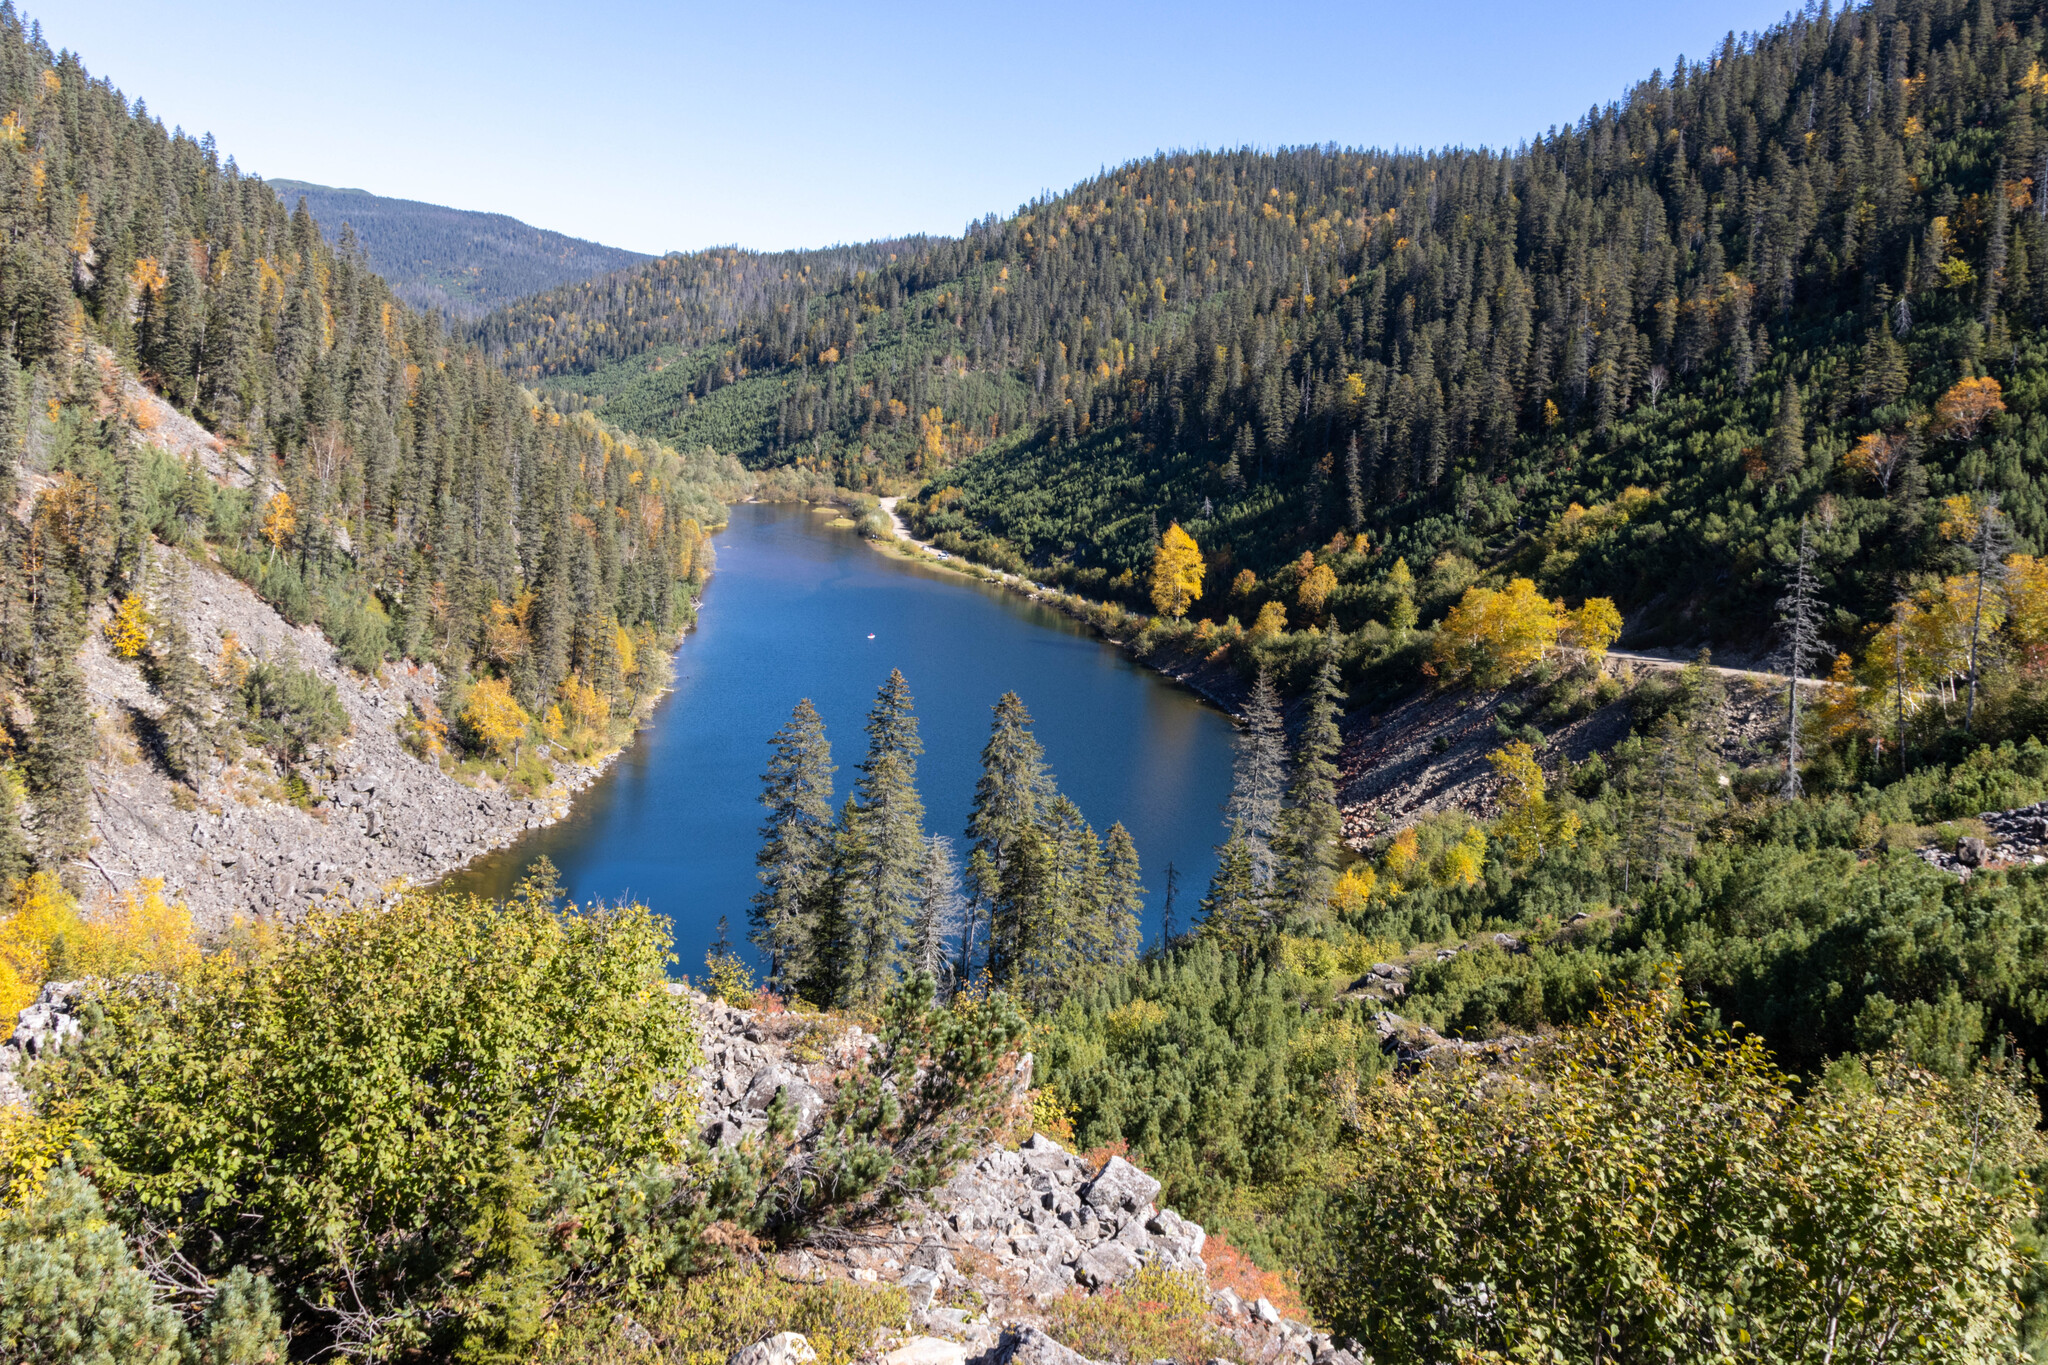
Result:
787,615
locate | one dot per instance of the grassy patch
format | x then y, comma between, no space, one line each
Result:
704,1320
1155,1315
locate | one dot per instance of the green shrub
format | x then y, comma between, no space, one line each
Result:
1157,1314
432,1122
705,1320
70,1292
1648,1190
240,1326
359,628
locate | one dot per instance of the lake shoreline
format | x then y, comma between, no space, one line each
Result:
804,608
1213,683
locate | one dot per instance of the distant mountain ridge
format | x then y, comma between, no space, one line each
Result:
462,262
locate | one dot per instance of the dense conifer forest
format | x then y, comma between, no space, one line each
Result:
375,475
1712,289
460,262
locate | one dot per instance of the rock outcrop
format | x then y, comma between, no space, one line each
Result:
985,1255
2018,838
44,1027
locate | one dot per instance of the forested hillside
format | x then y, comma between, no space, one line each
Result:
368,473
458,261
1713,289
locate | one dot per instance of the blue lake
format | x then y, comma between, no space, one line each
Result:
788,614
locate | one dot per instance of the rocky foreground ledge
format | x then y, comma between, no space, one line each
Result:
985,1256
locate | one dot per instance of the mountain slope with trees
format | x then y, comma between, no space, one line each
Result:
364,471
1713,290
461,262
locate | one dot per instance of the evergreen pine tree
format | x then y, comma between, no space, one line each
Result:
1169,927
1260,779
178,678
61,743
888,818
1009,800
1311,825
1234,911
1025,936
14,857
1122,902
1788,433
830,976
796,845
14,405
937,922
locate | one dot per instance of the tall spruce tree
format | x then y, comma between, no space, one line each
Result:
795,860
1234,911
1009,801
61,742
177,677
1311,825
1259,781
1122,905
887,819
832,967
1788,432
936,925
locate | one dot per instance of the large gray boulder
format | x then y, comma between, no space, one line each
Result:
1029,1346
1106,1264
1121,1188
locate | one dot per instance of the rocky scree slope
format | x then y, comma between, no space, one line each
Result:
381,818
1426,754
984,1256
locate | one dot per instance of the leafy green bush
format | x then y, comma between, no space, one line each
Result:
430,1124
1648,1190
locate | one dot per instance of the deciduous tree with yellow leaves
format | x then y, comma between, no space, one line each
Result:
1176,573
1593,627
127,630
280,519
46,936
1314,594
1529,823
1494,637
1961,412
492,719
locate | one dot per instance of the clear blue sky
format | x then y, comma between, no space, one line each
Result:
673,126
